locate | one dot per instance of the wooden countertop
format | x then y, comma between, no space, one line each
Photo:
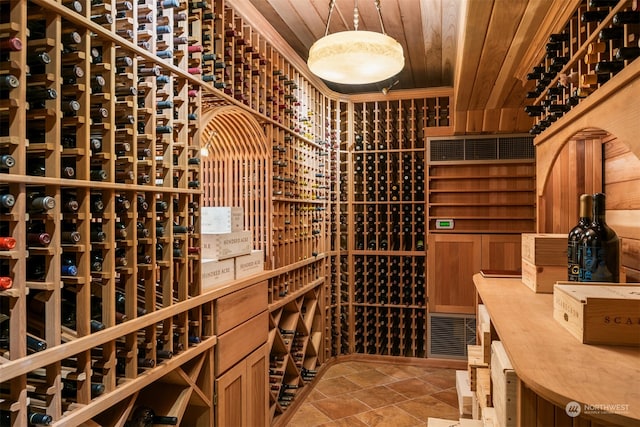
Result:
552,362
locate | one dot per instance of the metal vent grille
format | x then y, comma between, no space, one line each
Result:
447,150
449,335
481,149
516,148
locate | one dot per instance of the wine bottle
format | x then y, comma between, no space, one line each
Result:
6,282
627,53
593,16
575,237
8,82
607,67
626,17
599,249
68,266
96,261
603,3
613,33
37,418
39,203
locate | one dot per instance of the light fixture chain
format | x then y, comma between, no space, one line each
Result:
356,16
332,5
377,3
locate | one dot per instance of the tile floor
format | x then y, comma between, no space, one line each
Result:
360,394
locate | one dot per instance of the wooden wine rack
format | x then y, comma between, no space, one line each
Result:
144,77
382,219
570,71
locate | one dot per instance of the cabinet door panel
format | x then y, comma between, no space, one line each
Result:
257,387
501,252
452,262
232,397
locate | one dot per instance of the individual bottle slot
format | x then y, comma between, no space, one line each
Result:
627,53
612,33
38,202
8,82
626,17
593,16
609,67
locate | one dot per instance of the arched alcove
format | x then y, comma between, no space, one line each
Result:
591,161
238,168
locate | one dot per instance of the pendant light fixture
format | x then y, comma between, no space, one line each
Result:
355,57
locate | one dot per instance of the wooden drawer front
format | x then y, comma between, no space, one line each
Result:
237,343
240,306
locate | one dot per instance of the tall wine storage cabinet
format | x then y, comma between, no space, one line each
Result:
104,111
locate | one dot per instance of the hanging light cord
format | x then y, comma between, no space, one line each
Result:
332,5
377,3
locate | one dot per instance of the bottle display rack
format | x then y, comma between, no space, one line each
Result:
383,224
296,338
600,39
105,179
107,192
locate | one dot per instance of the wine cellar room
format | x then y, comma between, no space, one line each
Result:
326,212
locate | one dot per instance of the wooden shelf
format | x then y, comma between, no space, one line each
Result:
553,363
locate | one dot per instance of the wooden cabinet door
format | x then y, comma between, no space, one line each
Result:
257,382
231,390
501,252
452,260
243,399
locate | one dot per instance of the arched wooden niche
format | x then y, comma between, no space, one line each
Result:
596,147
237,170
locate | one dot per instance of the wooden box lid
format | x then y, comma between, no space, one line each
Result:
599,313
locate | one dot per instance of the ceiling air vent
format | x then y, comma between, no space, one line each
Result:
481,149
449,335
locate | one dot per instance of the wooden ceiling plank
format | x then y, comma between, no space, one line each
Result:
475,16
431,12
529,25
450,20
505,18
300,19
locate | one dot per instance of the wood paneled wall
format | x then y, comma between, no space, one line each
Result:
592,164
622,186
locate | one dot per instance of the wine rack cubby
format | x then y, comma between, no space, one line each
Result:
599,40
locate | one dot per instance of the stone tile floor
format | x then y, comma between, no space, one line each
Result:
361,394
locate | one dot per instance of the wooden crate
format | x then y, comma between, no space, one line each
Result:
483,388
248,265
484,332
489,418
465,394
545,249
226,245
541,279
599,313
475,360
505,386
216,273
216,219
